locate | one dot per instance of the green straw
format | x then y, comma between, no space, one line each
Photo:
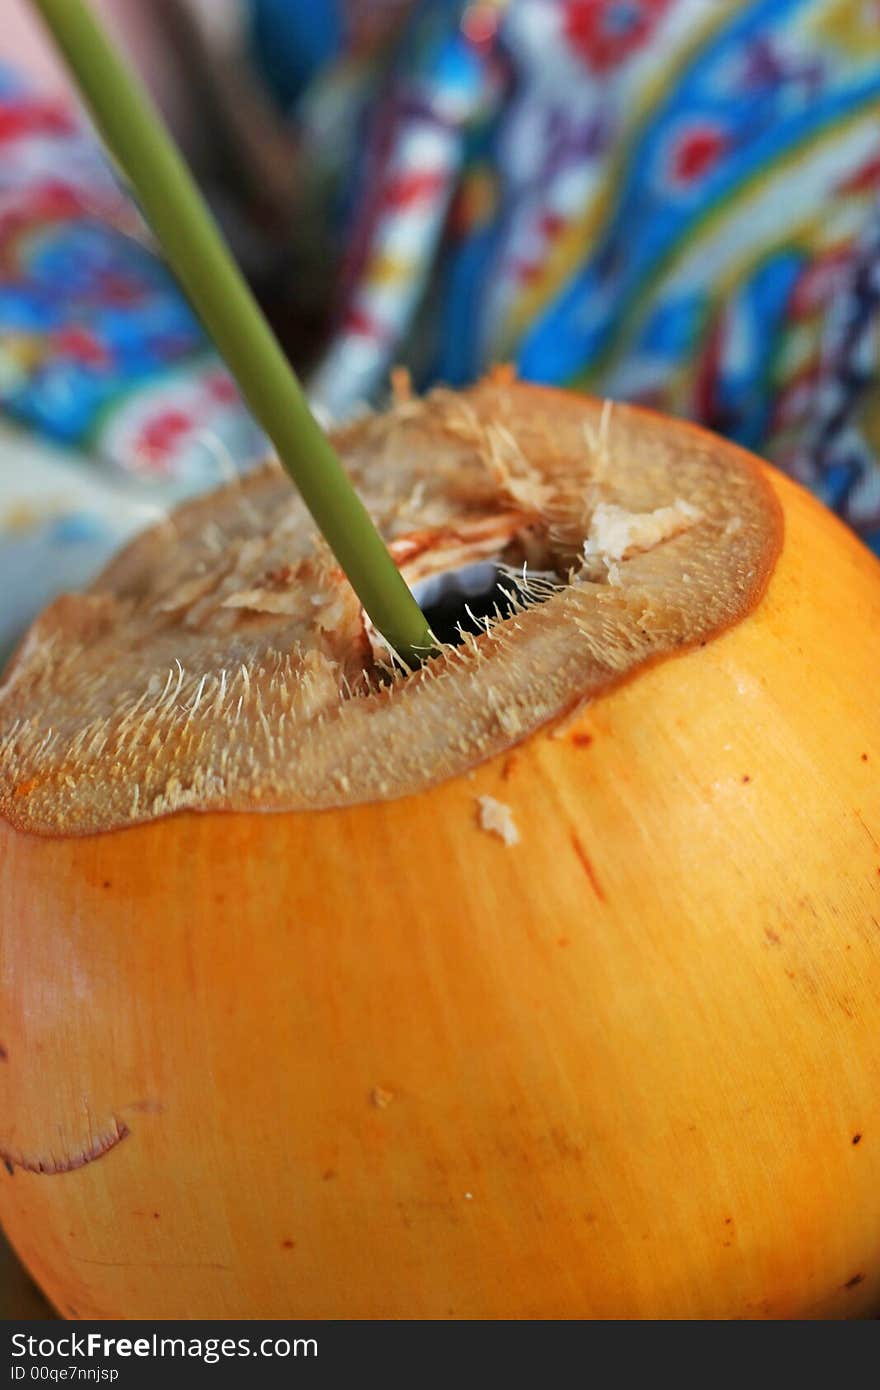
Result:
146,154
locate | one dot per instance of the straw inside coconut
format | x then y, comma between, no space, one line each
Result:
195,249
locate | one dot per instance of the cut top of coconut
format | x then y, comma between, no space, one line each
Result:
223,662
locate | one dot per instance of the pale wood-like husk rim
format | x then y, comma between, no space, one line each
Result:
221,662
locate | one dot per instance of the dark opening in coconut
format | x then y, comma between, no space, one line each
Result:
467,600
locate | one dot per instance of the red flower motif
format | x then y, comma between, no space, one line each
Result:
413,187
81,345
360,324
696,152
118,289
480,24
30,116
160,436
603,32
818,283
221,388
553,224
867,176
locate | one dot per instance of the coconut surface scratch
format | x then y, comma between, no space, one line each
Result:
222,661
50,1165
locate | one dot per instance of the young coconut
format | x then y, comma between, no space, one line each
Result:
549,990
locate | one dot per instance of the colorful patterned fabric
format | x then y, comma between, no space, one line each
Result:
667,201
670,201
98,347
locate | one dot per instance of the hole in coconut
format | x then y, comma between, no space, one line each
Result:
461,601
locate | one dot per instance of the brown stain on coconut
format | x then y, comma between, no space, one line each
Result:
587,866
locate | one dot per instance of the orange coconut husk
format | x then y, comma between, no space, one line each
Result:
549,987
20,1300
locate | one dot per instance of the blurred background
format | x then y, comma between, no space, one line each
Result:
667,201
675,202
